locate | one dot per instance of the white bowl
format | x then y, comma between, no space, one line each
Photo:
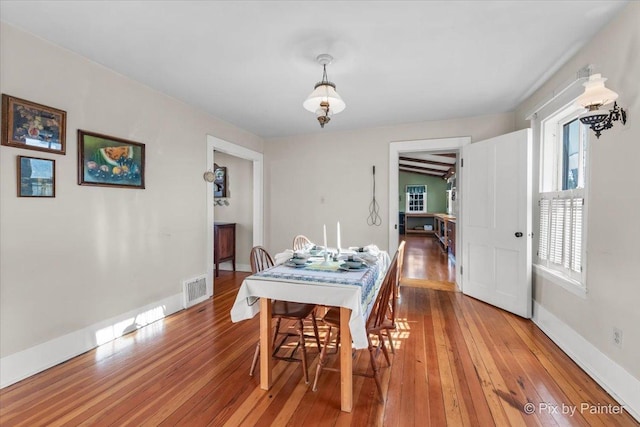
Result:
354,263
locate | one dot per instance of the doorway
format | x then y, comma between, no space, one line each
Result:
257,159
427,181
397,150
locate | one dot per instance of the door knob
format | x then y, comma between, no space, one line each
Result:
518,234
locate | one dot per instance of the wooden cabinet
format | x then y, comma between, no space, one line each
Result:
446,232
440,229
451,237
413,220
224,243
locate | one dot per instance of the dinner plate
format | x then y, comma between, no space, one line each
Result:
347,268
291,264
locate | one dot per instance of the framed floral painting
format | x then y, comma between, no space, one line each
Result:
26,124
109,162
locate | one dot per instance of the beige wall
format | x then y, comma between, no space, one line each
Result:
613,251
323,178
92,253
240,209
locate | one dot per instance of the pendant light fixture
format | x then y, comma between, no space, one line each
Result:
324,100
595,96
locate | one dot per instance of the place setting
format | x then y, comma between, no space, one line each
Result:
298,261
352,263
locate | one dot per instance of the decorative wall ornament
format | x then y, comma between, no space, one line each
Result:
220,182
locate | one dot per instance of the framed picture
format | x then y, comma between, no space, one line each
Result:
220,181
26,124
36,177
109,162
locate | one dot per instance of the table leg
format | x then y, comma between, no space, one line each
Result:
346,361
266,360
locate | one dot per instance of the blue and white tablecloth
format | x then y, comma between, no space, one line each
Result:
321,285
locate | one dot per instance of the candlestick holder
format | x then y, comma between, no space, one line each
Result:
326,256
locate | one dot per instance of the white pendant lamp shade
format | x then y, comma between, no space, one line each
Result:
324,101
595,93
326,93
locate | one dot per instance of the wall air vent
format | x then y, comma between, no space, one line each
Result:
194,291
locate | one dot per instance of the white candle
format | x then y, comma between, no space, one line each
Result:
339,236
325,235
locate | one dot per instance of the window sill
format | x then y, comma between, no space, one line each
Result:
565,283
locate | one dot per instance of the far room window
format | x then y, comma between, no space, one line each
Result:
563,170
416,200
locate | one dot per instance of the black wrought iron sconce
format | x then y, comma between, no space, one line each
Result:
595,96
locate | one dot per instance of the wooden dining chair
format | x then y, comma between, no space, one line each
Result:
393,302
301,242
260,259
376,323
297,312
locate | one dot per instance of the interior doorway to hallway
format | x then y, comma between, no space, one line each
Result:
214,144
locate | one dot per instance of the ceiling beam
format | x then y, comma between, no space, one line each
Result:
422,172
411,159
425,167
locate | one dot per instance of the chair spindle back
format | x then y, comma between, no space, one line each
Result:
260,259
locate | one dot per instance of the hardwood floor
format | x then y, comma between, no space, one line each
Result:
458,362
426,264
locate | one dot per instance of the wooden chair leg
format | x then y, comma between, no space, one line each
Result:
376,370
315,329
255,359
384,348
393,349
275,334
321,362
304,351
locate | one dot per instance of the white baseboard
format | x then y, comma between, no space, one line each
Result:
619,383
18,366
228,266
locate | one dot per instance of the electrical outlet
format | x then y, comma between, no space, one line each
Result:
617,337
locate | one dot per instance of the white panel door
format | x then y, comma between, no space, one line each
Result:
496,221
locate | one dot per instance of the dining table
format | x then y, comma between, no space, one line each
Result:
322,280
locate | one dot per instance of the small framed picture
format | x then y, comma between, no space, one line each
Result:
36,177
109,162
26,124
220,182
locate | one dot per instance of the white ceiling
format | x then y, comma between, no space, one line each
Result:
253,63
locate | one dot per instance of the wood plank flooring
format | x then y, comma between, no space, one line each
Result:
425,259
458,362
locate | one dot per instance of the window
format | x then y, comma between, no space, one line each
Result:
416,200
563,169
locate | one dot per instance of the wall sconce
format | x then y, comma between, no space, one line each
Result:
595,96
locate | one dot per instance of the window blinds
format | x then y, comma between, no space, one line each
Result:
561,218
